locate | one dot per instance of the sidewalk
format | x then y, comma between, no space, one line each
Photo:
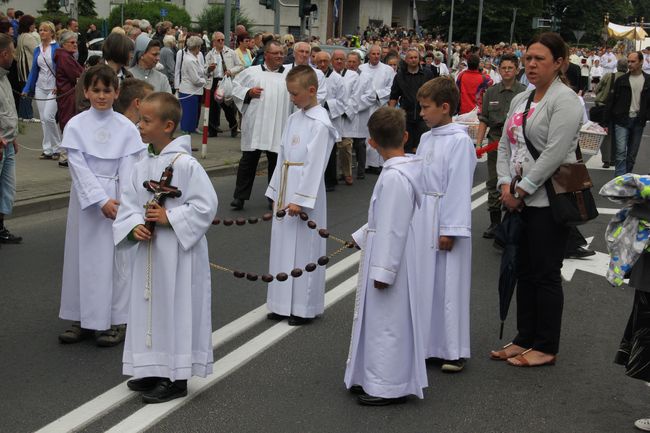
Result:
41,185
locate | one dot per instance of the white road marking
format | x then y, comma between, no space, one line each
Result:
478,188
607,211
97,407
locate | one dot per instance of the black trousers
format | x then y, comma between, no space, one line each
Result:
415,130
359,146
634,351
330,170
540,299
575,241
214,119
246,172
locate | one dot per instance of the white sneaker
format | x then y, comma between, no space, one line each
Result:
34,120
642,424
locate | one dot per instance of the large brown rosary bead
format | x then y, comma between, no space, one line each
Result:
239,274
281,213
267,216
227,222
216,221
281,276
311,267
253,220
311,224
240,221
323,260
251,277
296,272
324,233
267,278
304,216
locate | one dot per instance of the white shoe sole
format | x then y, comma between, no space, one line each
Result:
642,424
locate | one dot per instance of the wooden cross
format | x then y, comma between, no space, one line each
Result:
161,191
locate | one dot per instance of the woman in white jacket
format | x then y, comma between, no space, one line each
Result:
192,81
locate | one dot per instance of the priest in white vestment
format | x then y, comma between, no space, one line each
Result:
102,148
298,180
382,77
444,277
261,96
301,55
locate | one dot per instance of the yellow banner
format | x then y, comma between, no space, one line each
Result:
618,31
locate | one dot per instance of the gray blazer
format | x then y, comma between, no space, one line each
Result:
553,130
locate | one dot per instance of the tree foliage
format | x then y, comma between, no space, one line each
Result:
87,8
151,12
584,15
211,19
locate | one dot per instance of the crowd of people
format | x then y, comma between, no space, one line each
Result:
322,115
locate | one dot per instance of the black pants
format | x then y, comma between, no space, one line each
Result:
634,351
359,146
246,172
214,120
330,170
415,130
539,291
575,241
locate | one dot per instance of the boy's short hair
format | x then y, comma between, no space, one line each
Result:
131,89
510,58
303,75
169,108
101,73
386,126
441,90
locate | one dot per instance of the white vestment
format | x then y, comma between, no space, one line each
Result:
361,96
386,355
321,94
306,146
444,277
336,99
170,323
382,80
102,148
263,118
608,62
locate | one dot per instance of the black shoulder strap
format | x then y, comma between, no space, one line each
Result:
534,152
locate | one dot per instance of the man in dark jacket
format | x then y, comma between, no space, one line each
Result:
628,108
405,87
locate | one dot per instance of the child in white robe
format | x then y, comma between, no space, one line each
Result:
444,227
169,337
297,185
102,148
386,360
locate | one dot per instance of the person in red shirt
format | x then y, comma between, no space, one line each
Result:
471,83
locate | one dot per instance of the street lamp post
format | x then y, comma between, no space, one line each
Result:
451,33
480,21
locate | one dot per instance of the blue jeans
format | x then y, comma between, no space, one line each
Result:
7,180
25,109
628,138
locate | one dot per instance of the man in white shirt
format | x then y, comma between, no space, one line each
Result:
608,62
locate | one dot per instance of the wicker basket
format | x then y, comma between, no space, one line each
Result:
472,129
590,142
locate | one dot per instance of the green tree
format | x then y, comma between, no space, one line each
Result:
52,6
151,12
211,19
588,16
87,8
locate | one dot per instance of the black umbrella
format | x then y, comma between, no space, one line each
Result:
507,235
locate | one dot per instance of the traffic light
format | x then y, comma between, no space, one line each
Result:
306,7
269,4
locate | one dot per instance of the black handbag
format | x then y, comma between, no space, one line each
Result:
569,188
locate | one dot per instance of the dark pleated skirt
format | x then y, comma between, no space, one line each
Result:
634,351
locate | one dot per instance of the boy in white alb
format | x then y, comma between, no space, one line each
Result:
297,185
444,226
386,359
102,148
169,338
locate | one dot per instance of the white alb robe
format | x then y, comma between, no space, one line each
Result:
102,148
361,98
382,80
336,99
170,325
444,277
263,118
386,355
307,142
608,62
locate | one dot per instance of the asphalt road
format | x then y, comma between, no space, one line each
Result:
275,380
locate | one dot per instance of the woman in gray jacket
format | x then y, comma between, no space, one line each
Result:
553,121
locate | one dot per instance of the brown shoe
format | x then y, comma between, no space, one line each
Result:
348,180
75,334
111,337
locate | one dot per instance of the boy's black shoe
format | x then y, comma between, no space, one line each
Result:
453,366
237,204
166,390
143,384
368,400
297,321
6,237
357,389
276,316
